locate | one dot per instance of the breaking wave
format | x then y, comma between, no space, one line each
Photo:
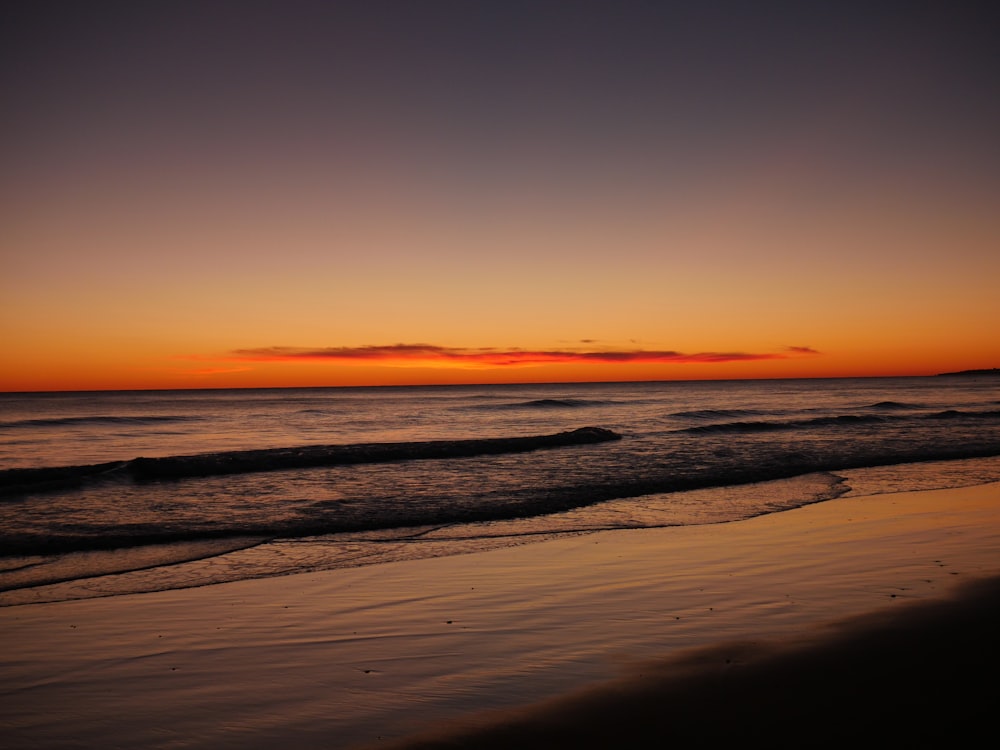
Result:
21,481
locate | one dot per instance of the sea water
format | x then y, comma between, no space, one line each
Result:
83,515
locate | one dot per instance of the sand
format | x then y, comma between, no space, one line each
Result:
862,617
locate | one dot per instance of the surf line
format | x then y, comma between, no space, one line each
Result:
270,459
20,481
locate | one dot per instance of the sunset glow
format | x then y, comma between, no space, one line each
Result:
213,195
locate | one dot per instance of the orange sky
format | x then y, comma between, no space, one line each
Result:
335,197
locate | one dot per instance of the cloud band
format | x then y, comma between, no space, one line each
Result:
430,355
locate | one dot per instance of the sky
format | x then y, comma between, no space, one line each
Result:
240,194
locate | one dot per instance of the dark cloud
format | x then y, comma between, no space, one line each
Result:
427,354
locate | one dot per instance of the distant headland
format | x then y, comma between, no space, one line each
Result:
993,371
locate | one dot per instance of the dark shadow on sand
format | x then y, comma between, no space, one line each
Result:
919,674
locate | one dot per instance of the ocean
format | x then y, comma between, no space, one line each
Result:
107,493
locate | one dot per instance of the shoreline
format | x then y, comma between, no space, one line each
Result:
363,656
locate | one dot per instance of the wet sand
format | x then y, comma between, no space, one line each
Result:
858,618
920,675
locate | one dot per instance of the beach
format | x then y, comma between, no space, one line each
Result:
499,374
586,638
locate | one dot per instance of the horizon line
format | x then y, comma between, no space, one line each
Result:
494,385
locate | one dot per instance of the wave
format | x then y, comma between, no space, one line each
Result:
50,567
893,406
97,420
719,413
131,537
21,481
851,420
528,502
545,403
959,414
